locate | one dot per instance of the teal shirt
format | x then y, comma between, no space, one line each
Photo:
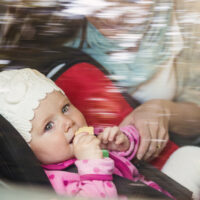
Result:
152,53
133,68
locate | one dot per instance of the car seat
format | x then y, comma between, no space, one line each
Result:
88,86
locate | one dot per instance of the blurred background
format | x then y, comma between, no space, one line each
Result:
135,40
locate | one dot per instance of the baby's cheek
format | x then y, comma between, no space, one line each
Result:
82,124
82,119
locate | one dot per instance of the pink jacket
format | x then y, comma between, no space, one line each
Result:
94,177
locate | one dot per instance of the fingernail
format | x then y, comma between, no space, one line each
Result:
84,133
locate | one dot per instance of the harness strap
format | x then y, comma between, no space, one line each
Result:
130,188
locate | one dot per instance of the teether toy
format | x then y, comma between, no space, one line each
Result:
85,129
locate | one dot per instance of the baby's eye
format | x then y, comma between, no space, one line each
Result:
65,108
48,126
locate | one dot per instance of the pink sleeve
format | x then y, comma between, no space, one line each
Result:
96,178
133,135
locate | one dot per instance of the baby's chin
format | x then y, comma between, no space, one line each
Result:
69,155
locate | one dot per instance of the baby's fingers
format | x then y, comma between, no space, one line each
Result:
79,138
105,135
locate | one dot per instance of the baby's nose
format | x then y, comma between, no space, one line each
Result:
68,123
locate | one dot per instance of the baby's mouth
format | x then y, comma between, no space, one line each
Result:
72,139
69,135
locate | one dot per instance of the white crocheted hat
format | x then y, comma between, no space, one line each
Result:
20,93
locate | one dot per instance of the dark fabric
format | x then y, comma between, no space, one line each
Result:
137,189
164,181
17,162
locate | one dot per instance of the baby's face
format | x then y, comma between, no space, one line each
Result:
53,127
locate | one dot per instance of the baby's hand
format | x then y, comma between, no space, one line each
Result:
113,139
86,146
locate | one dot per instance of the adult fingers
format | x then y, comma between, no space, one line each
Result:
144,140
163,136
153,129
165,131
162,140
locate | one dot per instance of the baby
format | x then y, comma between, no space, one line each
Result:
54,125
48,121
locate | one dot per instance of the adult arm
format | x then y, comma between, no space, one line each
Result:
184,118
155,118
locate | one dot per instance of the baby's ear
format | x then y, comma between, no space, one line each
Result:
18,163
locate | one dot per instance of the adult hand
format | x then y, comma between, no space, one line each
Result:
86,146
113,139
151,120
